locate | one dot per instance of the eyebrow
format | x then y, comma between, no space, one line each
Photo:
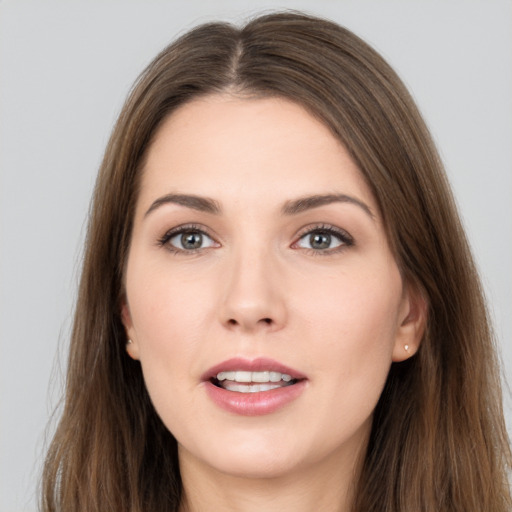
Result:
202,204
207,205
307,203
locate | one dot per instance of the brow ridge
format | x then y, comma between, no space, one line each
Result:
315,201
202,204
293,207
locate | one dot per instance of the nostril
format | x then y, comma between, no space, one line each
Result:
233,322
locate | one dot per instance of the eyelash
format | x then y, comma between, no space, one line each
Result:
345,238
342,235
164,240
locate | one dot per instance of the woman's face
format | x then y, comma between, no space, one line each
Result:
262,299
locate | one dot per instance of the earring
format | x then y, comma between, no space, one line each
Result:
406,347
129,342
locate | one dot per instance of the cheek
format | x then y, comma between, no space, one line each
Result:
168,314
168,319
350,306
353,323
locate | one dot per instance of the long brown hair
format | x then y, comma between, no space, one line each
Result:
438,441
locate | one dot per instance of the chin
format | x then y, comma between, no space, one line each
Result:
241,466
246,456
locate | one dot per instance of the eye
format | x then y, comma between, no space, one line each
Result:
187,239
191,240
324,239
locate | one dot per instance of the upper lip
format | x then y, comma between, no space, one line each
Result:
251,365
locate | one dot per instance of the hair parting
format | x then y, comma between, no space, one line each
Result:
438,439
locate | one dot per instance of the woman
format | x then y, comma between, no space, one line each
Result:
278,307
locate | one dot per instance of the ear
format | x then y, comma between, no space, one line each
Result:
412,320
132,346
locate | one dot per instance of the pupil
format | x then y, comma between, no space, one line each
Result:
191,240
320,241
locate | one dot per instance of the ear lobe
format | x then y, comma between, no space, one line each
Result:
132,347
413,319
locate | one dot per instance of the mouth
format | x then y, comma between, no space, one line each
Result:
242,381
253,387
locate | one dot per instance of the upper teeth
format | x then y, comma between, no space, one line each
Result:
241,376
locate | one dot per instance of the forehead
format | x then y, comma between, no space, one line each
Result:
236,149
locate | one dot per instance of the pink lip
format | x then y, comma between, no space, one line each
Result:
253,404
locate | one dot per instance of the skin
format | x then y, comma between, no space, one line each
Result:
257,288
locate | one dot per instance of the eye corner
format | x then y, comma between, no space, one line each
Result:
327,236
193,245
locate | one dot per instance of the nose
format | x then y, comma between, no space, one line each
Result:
254,294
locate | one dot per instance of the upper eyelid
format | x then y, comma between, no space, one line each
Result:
189,227
302,232
323,227
346,239
172,232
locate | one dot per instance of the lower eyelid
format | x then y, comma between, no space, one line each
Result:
179,230
344,238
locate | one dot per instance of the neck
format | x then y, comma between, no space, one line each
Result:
326,486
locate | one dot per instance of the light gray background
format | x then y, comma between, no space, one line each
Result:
65,68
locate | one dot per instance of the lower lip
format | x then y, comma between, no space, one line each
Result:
254,404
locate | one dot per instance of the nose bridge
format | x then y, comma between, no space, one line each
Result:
253,292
